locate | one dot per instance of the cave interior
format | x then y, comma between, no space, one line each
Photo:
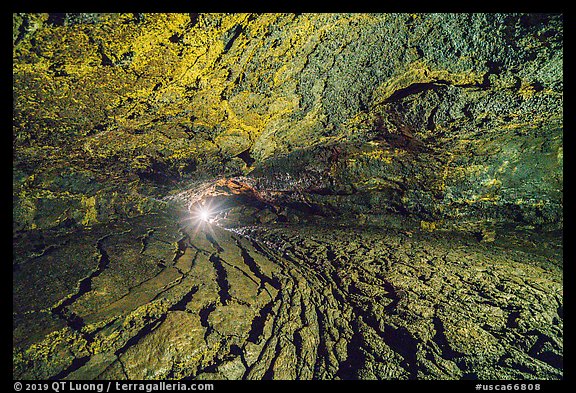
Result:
287,196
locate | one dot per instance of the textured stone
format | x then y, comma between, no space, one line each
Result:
450,117
385,194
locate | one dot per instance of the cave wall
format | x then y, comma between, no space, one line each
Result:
454,119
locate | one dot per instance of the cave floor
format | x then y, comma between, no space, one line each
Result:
156,297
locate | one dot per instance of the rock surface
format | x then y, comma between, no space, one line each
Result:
455,118
386,195
155,298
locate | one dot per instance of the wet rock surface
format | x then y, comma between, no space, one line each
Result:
161,297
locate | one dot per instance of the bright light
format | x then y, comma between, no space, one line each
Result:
204,214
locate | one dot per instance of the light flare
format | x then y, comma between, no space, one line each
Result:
204,214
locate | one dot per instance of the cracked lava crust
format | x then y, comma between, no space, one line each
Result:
287,196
